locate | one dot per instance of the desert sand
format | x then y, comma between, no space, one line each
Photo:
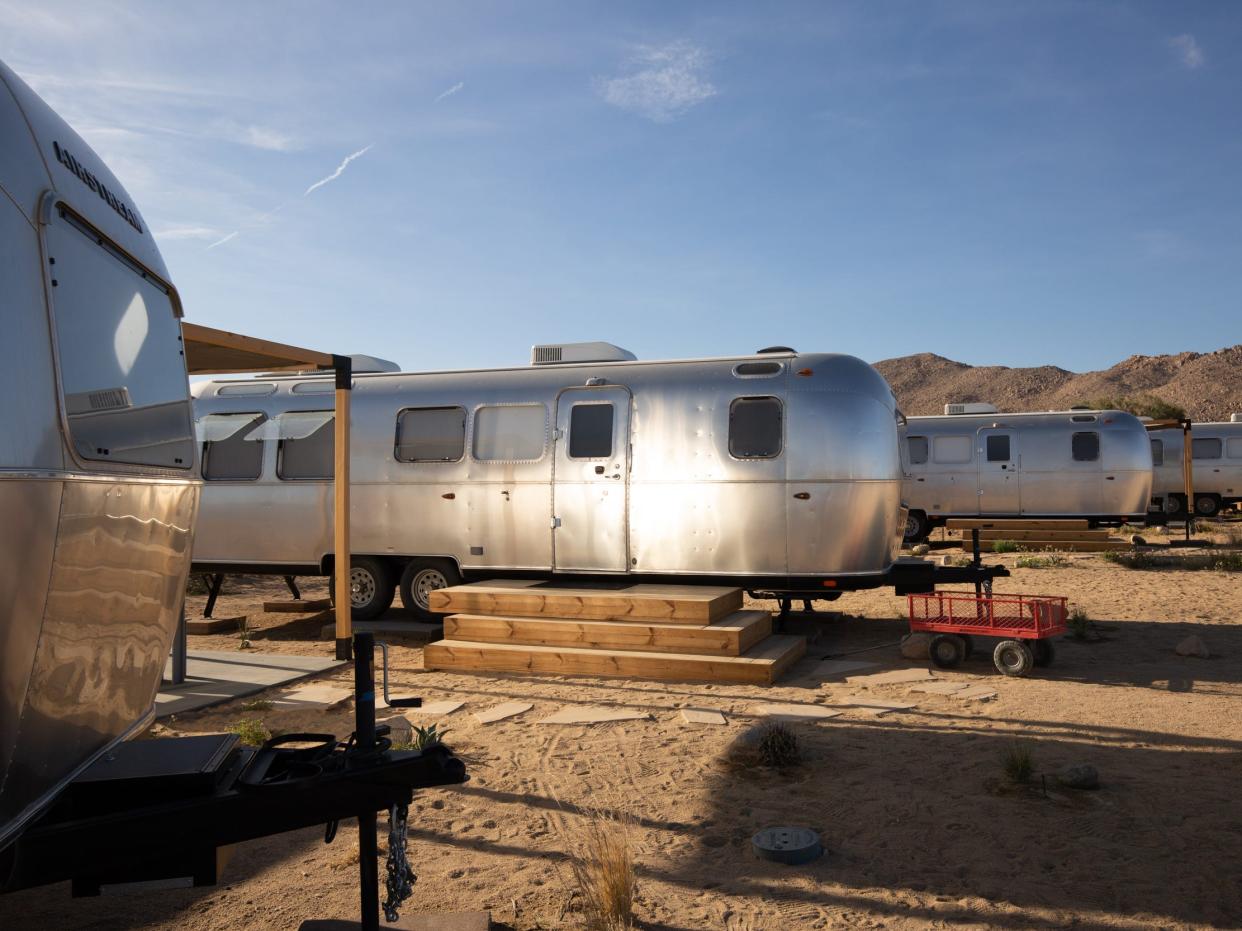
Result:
920,826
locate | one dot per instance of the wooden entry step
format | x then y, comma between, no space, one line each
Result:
985,523
729,636
1059,546
1016,535
662,604
760,665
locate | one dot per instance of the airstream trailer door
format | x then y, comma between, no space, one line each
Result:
999,481
590,480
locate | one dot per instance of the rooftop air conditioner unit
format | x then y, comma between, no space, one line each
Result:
1235,418
573,353
971,408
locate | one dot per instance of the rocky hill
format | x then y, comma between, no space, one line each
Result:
1207,385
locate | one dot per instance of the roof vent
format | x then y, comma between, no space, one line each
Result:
1235,418
362,363
572,353
780,349
971,408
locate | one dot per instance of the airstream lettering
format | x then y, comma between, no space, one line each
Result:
778,470
1092,464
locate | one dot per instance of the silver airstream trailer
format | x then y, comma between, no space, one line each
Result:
1084,464
1216,468
778,471
97,459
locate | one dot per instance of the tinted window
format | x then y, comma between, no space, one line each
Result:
951,449
511,433
590,431
308,457
1233,447
227,454
755,428
1157,452
998,448
259,389
119,345
431,434
917,446
1085,447
1207,447
757,369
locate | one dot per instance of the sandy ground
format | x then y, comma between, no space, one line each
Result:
920,827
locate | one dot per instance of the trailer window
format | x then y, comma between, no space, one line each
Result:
1233,447
227,455
917,445
118,340
590,431
998,447
1157,452
431,434
951,450
1085,447
517,432
303,455
258,389
756,428
1207,447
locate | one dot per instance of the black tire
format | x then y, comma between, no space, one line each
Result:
371,588
1207,505
946,651
1175,506
420,578
917,528
1013,658
1044,652
969,642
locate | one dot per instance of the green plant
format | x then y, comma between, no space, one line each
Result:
1041,562
424,737
1018,762
778,746
1003,546
243,631
1079,624
603,866
959,561
257,704
1140,405
252,732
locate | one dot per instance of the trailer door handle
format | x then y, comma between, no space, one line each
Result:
802,495
1109,478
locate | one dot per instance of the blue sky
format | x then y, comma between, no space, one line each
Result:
1015,184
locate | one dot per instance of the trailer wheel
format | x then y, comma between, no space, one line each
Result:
1207,505
422,577
1013,658
946,651
917,528
1175,505
370,588
1044,653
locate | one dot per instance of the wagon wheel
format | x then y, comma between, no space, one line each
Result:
1044,653
969,642
1013,658
946,651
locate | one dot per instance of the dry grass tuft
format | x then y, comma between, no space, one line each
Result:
603,865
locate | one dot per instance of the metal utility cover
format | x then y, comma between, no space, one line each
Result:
790,845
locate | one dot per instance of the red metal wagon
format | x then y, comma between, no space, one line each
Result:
1023,625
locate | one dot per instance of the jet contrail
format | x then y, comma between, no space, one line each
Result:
451,91
340,169
221,242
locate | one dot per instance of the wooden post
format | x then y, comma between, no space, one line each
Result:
1188,470
340,483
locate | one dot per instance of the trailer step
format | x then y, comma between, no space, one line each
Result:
1061,546
730,636
663,604
1079,535
760,665
985,523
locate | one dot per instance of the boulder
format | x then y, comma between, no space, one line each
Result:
1193,646
402,731
1078,776
915,646
921,550
1137,540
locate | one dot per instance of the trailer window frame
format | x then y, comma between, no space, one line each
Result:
1206,441
926,452
1233,447
259,418
397,435
574,431
487,409
747,400
1075,439
1157,452
996,438
281,448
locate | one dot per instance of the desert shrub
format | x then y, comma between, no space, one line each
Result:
603,867
1140,405
1215,562
778,746
1079,624
257,704
1004,546
424,737
1041,562
1017,762
252,732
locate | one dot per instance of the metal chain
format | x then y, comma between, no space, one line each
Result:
400,880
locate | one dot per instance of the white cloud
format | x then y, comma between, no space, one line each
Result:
1188,51
263,138
663,82
451,91
188,232
340,169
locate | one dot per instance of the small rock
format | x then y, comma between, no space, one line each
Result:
1079,776
1193,646
921,550
915,646
1137,540
401,731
